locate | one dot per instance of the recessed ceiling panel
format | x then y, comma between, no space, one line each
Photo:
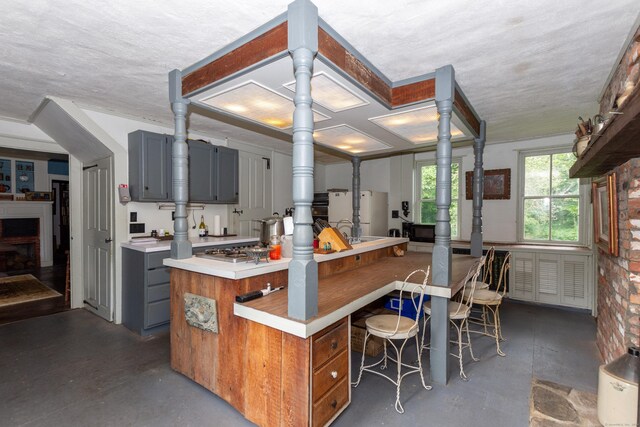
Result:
419,125
255,102
347,139
330,94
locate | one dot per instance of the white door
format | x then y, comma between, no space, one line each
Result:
255,198
97,238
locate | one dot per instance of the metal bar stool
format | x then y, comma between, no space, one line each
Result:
490,302
392,327
459,312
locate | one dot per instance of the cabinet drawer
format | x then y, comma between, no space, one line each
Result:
329,375
331,403
158,292
158,276
157,313
329,343
154,259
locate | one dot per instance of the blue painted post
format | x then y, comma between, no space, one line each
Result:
441,261
303,269
478,188
356,231
180,245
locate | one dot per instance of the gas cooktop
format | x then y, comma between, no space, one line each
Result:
246,254
227,255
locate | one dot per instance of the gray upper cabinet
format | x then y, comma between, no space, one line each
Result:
213,173
150,166
213,170
202,176
227,179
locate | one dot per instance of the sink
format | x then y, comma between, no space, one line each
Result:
370,238
364,239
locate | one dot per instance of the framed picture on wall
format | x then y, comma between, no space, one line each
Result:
24,176
605,213
497,184
5,173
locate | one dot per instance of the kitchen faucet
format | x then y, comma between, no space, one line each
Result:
352,239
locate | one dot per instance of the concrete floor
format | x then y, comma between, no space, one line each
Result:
74,369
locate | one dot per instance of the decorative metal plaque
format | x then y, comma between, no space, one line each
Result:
201,312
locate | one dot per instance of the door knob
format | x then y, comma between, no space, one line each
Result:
108,240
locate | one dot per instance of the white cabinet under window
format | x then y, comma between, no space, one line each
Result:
552,278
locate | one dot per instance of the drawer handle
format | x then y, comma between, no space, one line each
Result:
334,403
334,344
334,374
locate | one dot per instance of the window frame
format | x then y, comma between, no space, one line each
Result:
417,193
583,202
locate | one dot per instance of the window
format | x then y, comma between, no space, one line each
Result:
426,194
551,204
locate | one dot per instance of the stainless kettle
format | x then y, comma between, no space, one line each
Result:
272,226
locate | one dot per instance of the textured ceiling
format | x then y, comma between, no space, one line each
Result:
528,67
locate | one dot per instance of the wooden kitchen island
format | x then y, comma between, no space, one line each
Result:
275,370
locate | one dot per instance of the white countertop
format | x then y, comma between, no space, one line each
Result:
249,269
165,245
305,330
261,311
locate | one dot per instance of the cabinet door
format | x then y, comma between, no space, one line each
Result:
202,173
227,174
549,279
156,167
575,281
150,166
521,283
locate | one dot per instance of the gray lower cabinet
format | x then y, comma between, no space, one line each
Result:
146,288
145,291
150,166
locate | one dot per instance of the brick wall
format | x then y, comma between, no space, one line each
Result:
619,277
626,73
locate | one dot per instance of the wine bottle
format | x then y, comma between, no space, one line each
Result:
202,229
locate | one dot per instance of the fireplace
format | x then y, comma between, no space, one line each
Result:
19,227
19,244
29,210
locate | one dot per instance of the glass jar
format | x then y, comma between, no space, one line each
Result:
276,248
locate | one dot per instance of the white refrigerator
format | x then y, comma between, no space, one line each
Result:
374,212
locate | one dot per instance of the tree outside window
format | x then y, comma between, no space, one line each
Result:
427,195
551,199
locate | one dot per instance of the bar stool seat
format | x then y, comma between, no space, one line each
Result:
456,312
486,297
385,324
